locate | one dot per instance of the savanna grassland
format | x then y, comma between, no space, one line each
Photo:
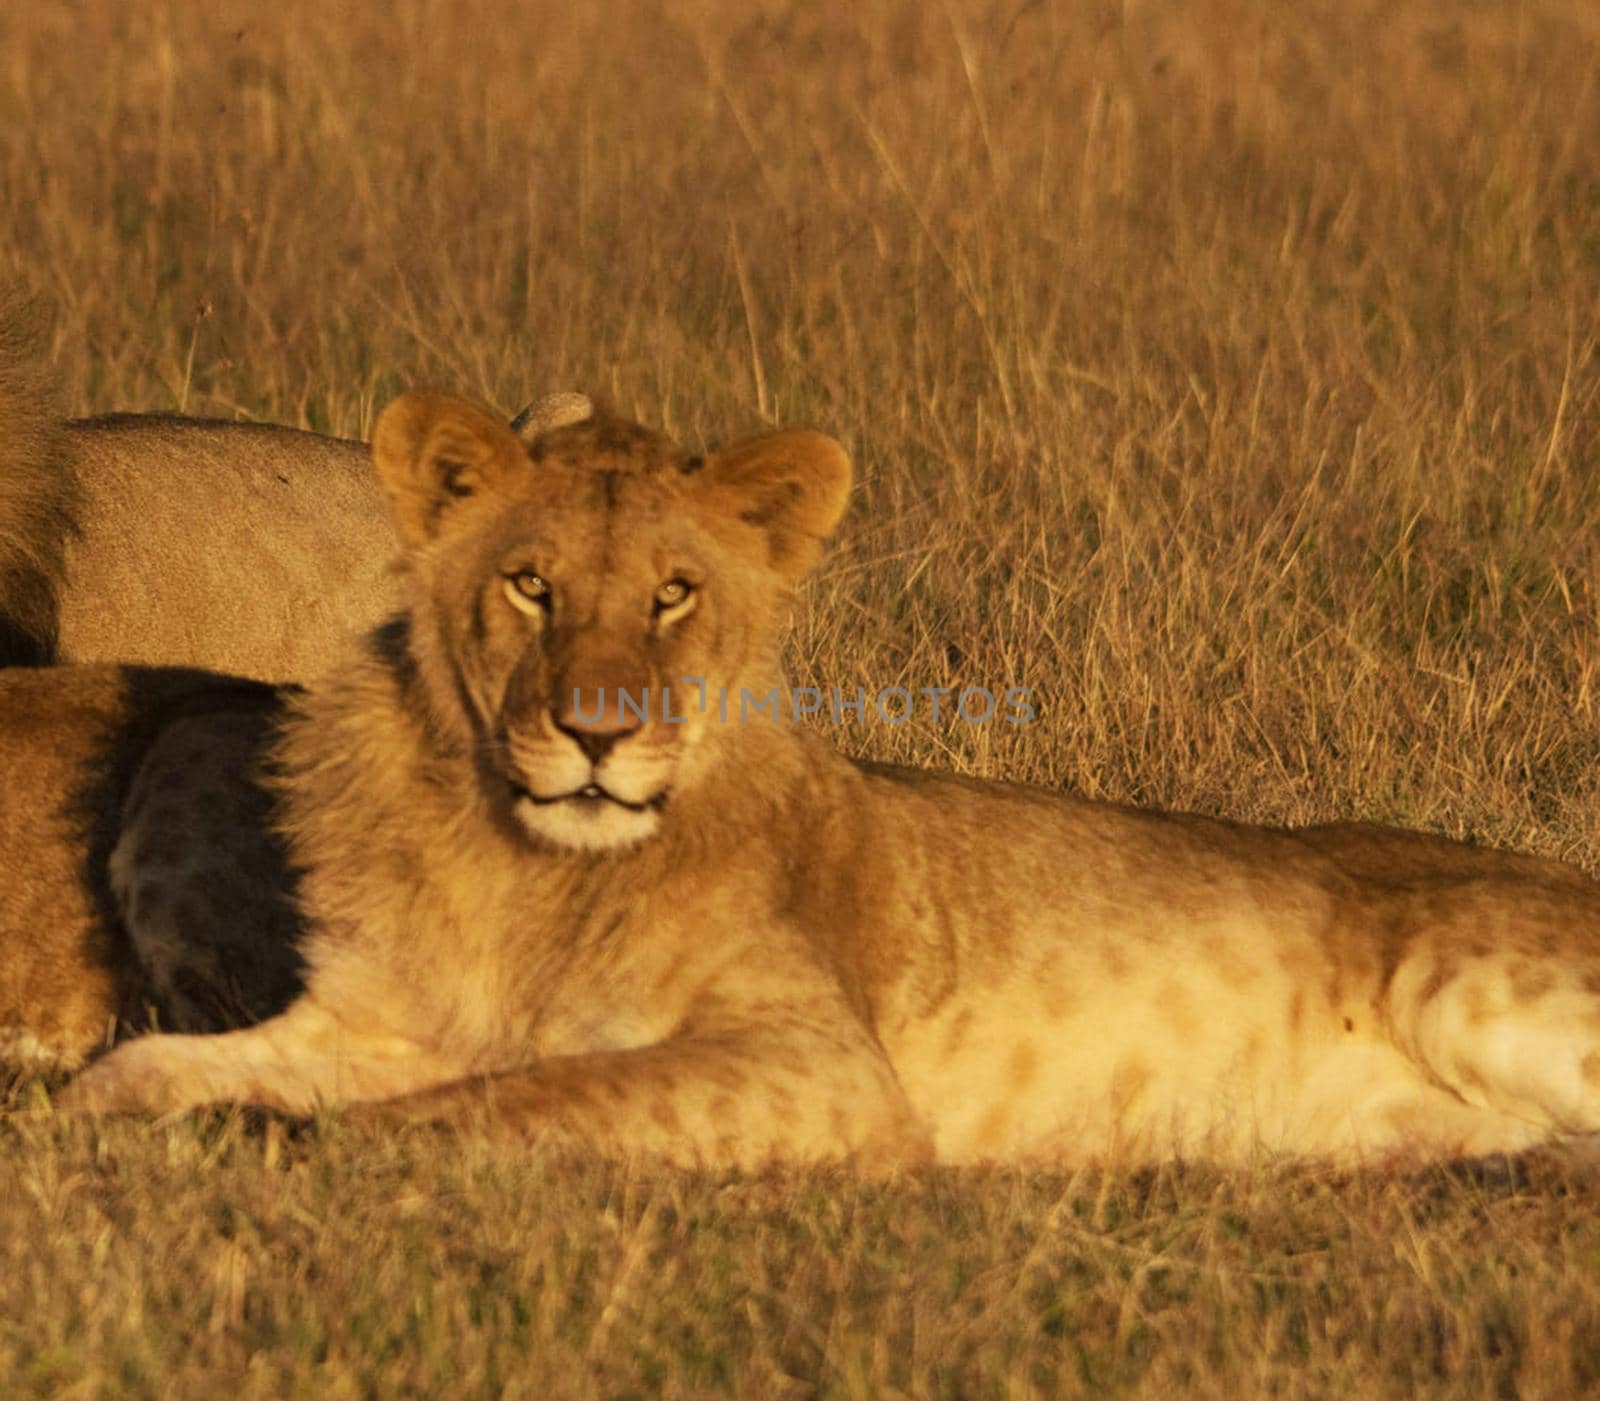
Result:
1226,372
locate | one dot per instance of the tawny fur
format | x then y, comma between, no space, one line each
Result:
723,943
244,548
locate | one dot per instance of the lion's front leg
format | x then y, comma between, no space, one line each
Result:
732,1101
296,1062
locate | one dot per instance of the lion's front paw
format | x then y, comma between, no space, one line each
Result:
135,1078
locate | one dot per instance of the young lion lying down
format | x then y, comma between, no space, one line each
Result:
712,938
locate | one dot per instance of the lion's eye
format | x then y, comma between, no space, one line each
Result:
673,594
528,591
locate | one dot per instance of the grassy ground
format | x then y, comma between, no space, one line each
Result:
175,1261
1226,372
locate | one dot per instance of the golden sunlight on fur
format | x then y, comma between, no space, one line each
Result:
716,940
252,549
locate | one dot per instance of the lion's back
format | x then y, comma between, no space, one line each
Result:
248,549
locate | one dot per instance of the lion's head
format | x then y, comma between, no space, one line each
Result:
581,602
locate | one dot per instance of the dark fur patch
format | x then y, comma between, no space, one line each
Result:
227,953
480,625
390,644
453,477
21,646
455,484
154,698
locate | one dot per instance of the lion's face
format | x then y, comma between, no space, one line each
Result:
584,604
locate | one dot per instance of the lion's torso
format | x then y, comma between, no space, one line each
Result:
247,549
1050,979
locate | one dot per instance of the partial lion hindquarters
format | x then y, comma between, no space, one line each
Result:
556,883
252,549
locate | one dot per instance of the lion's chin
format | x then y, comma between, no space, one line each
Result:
582,823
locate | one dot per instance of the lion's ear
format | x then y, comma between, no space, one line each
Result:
434,450
793,484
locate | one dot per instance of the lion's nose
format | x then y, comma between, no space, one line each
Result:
595,722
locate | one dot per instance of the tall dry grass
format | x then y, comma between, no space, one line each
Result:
1226,372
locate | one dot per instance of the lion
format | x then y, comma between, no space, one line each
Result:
242,548
558,880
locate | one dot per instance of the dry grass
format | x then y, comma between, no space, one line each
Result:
1227,372
174,1261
